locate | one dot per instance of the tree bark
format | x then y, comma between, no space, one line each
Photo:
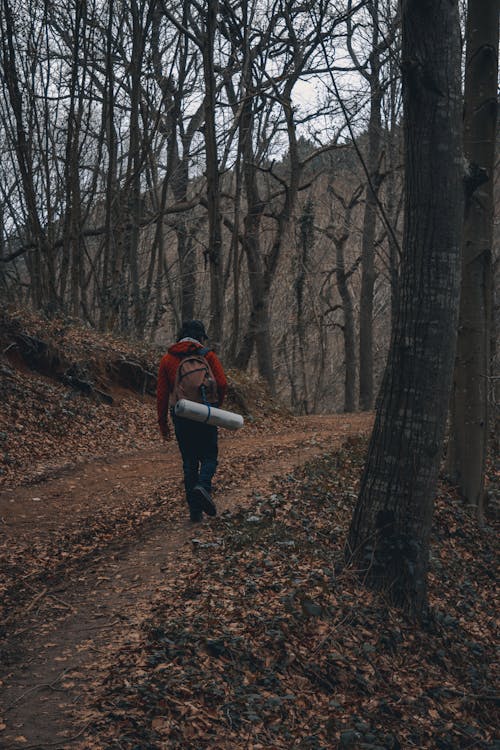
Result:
236,259
214,252
348,330
468,442
133,197
306,244
340,240
390,529
369,223
72,246
257,325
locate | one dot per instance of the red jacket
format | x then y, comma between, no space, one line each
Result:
168,368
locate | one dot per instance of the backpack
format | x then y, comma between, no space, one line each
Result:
194,379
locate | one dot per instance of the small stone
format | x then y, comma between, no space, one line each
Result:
349,739
362,727
311,609
275,701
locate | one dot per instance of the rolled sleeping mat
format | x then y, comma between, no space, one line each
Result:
208,414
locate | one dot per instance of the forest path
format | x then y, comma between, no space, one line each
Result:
98,600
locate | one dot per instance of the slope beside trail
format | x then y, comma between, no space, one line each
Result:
89,549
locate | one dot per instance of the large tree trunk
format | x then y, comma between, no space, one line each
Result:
469,404
390,529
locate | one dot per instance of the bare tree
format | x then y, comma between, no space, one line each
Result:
340,237
16,122
371,71
468,441
389,533
214,252
302,260
270,68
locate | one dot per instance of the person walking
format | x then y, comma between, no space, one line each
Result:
198,442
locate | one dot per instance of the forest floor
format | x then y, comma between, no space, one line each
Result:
125,627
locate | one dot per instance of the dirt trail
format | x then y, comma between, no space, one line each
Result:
53,650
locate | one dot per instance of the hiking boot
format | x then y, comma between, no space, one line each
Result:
195,516
205,501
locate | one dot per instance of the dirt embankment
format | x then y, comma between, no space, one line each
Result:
69,394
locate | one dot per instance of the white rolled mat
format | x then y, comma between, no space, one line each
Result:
208,414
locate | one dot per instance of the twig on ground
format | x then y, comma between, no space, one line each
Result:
63,603
58,743
49,685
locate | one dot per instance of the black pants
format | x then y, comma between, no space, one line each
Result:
198,444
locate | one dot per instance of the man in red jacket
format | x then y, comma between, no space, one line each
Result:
198,442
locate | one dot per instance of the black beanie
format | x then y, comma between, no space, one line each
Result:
193,329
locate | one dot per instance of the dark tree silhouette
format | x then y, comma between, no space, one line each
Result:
390,529
469,404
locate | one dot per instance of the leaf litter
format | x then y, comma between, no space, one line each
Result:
261,638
